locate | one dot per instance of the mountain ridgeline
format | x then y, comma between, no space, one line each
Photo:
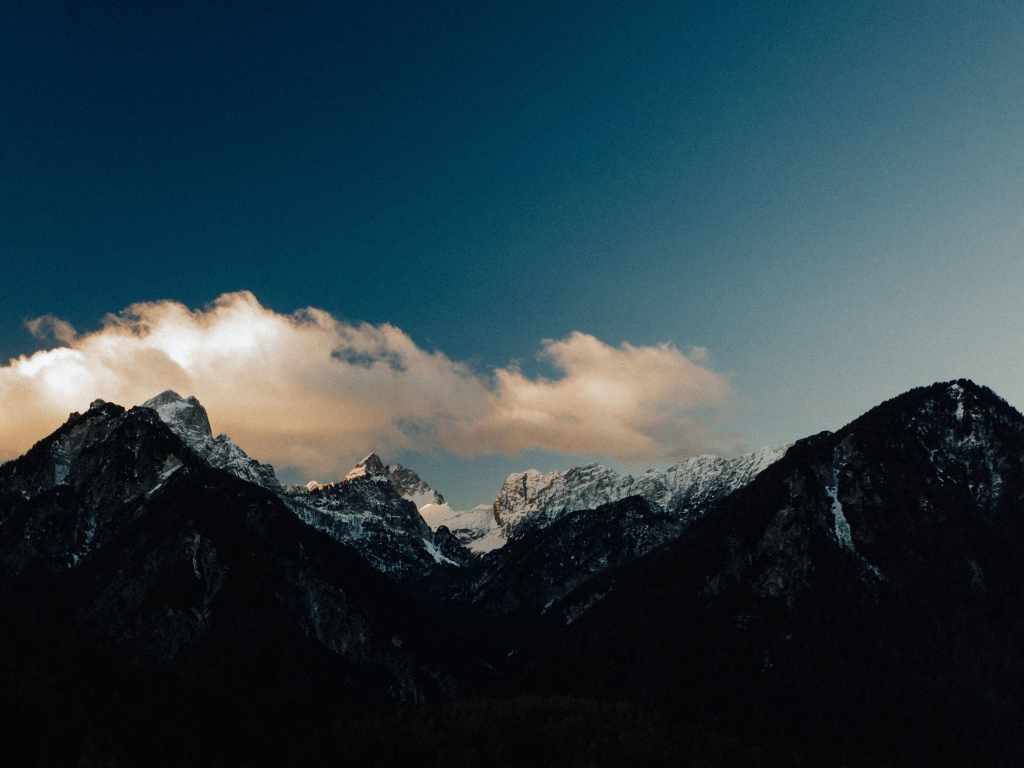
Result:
854,599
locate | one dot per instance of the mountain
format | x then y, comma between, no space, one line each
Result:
189,421
532,500
474,528
139,583
405,481
547,536
539,568
854,599
367,513
386,529
411,487
371,465
860,602
373,509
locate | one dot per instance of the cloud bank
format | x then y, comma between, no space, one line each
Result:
310,391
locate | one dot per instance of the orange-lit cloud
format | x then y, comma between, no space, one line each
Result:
310,391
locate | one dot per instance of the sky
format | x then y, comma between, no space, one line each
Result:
484,237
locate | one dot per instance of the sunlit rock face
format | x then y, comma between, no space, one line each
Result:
538,499
188,420
371,465
406,482
534,500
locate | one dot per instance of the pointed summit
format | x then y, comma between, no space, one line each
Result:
410,486
186,417
405,481
371,465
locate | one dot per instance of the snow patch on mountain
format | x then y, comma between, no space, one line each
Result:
842,527
957,393
495,538
471,527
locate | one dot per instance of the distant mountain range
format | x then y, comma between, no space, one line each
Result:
856,599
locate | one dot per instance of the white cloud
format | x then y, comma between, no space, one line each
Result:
310,391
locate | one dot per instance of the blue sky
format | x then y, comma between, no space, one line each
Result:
828,199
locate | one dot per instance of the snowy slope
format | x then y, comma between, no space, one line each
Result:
469,527
532,499
368,514
374,510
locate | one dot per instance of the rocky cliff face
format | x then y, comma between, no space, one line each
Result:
78,488
411,487
371,465
535,500
188,420
367,513
405,481
374,510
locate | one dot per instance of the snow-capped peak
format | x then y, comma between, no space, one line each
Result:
187,418
406,482
533,499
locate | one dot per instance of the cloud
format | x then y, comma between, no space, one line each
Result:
49,326
310,391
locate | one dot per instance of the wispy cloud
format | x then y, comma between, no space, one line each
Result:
308,390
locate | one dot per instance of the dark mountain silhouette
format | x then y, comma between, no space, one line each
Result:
182,592
860,602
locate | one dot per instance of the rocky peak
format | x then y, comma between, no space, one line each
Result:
368,513
406,482
185,416
534,499
371,465
410,486
188,420
78,487
534,495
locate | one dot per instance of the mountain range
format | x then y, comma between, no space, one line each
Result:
852,599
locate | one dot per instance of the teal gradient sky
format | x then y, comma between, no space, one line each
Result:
829,199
